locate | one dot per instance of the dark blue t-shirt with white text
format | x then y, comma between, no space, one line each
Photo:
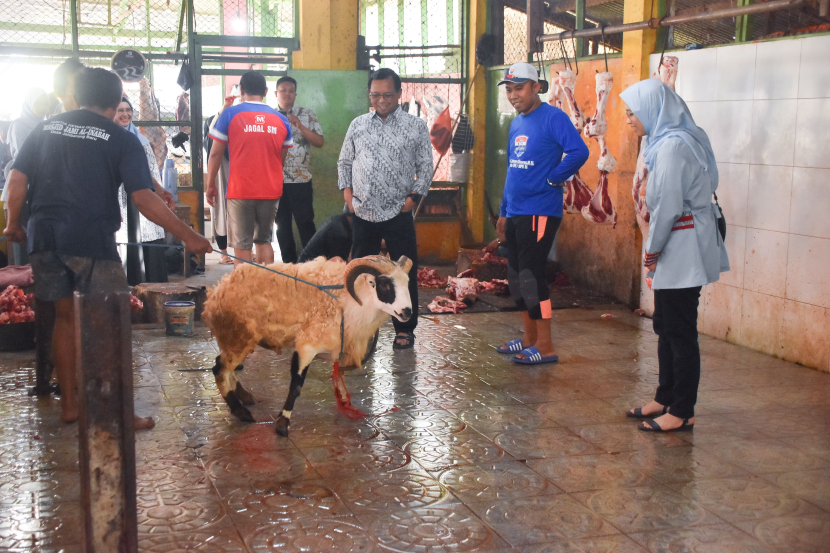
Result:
75,162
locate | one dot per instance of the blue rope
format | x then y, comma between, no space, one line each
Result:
324,287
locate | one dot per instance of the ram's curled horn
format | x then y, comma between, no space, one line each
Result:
404,263
374,265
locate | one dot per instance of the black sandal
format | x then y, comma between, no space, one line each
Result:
638,413
652,426
409,340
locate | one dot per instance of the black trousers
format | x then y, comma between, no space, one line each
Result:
529,240
678,351
297,201
399,233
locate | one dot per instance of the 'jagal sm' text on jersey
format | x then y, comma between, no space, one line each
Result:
256,135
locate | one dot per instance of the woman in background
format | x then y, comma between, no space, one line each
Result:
36,106
684,248
219,214
139,228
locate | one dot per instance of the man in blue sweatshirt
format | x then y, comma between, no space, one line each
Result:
531,208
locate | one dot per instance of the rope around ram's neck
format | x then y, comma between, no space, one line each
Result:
322,287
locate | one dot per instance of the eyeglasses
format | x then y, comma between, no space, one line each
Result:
385,96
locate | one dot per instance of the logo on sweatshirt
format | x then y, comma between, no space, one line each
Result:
260,119
520,145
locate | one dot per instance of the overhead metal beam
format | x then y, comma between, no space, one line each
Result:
245,41
36,52
33,51
239,72
679,19
73,20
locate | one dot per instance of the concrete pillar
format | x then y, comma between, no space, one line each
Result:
477,108
637,47
328,35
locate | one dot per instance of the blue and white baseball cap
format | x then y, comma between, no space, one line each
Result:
520,72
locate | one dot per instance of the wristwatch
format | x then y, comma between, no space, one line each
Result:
556,184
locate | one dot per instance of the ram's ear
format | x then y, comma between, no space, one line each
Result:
404,263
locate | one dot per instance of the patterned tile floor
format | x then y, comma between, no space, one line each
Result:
481,454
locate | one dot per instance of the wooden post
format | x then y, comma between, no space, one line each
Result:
477,108
44,326
105,424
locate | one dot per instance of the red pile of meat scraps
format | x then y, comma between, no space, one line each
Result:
15,306
429,278
462,289
490,258
497,287
135,304
443,304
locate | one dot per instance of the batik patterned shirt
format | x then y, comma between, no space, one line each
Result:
298,160
383,162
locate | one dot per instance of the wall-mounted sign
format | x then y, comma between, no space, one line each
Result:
129,64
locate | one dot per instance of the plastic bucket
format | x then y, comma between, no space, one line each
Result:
178,317
459,167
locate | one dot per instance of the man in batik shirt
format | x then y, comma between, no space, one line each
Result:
385,167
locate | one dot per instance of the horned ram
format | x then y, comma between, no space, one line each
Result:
251,307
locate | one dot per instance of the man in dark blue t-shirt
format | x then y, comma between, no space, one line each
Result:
73,165
531,208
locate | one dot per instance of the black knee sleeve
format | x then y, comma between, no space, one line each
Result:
529,287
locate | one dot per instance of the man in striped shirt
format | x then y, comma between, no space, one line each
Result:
385,167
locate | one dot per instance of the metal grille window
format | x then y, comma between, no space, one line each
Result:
147,25
421,41
558,18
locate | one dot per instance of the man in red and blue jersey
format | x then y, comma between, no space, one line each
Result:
258,138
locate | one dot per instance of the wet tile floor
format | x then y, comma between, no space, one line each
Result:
480,455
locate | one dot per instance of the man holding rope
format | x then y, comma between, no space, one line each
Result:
73,165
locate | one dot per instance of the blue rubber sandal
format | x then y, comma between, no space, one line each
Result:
513,346
533,357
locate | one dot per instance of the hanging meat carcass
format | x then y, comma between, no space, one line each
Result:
567,83
667,73
600,209
556,95
577,194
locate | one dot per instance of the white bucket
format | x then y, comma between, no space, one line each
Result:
459,167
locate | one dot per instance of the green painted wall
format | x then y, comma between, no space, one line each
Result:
337,97
498,128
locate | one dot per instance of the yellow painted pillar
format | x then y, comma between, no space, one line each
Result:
477,108
328,35
637,47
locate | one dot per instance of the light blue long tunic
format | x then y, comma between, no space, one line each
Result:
683,227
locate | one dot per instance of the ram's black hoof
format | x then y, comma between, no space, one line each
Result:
237,409
282,426
244,395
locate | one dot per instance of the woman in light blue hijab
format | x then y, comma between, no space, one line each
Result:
684,248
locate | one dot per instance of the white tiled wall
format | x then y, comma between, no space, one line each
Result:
766,108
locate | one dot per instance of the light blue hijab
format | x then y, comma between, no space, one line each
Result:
132,128
664,114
